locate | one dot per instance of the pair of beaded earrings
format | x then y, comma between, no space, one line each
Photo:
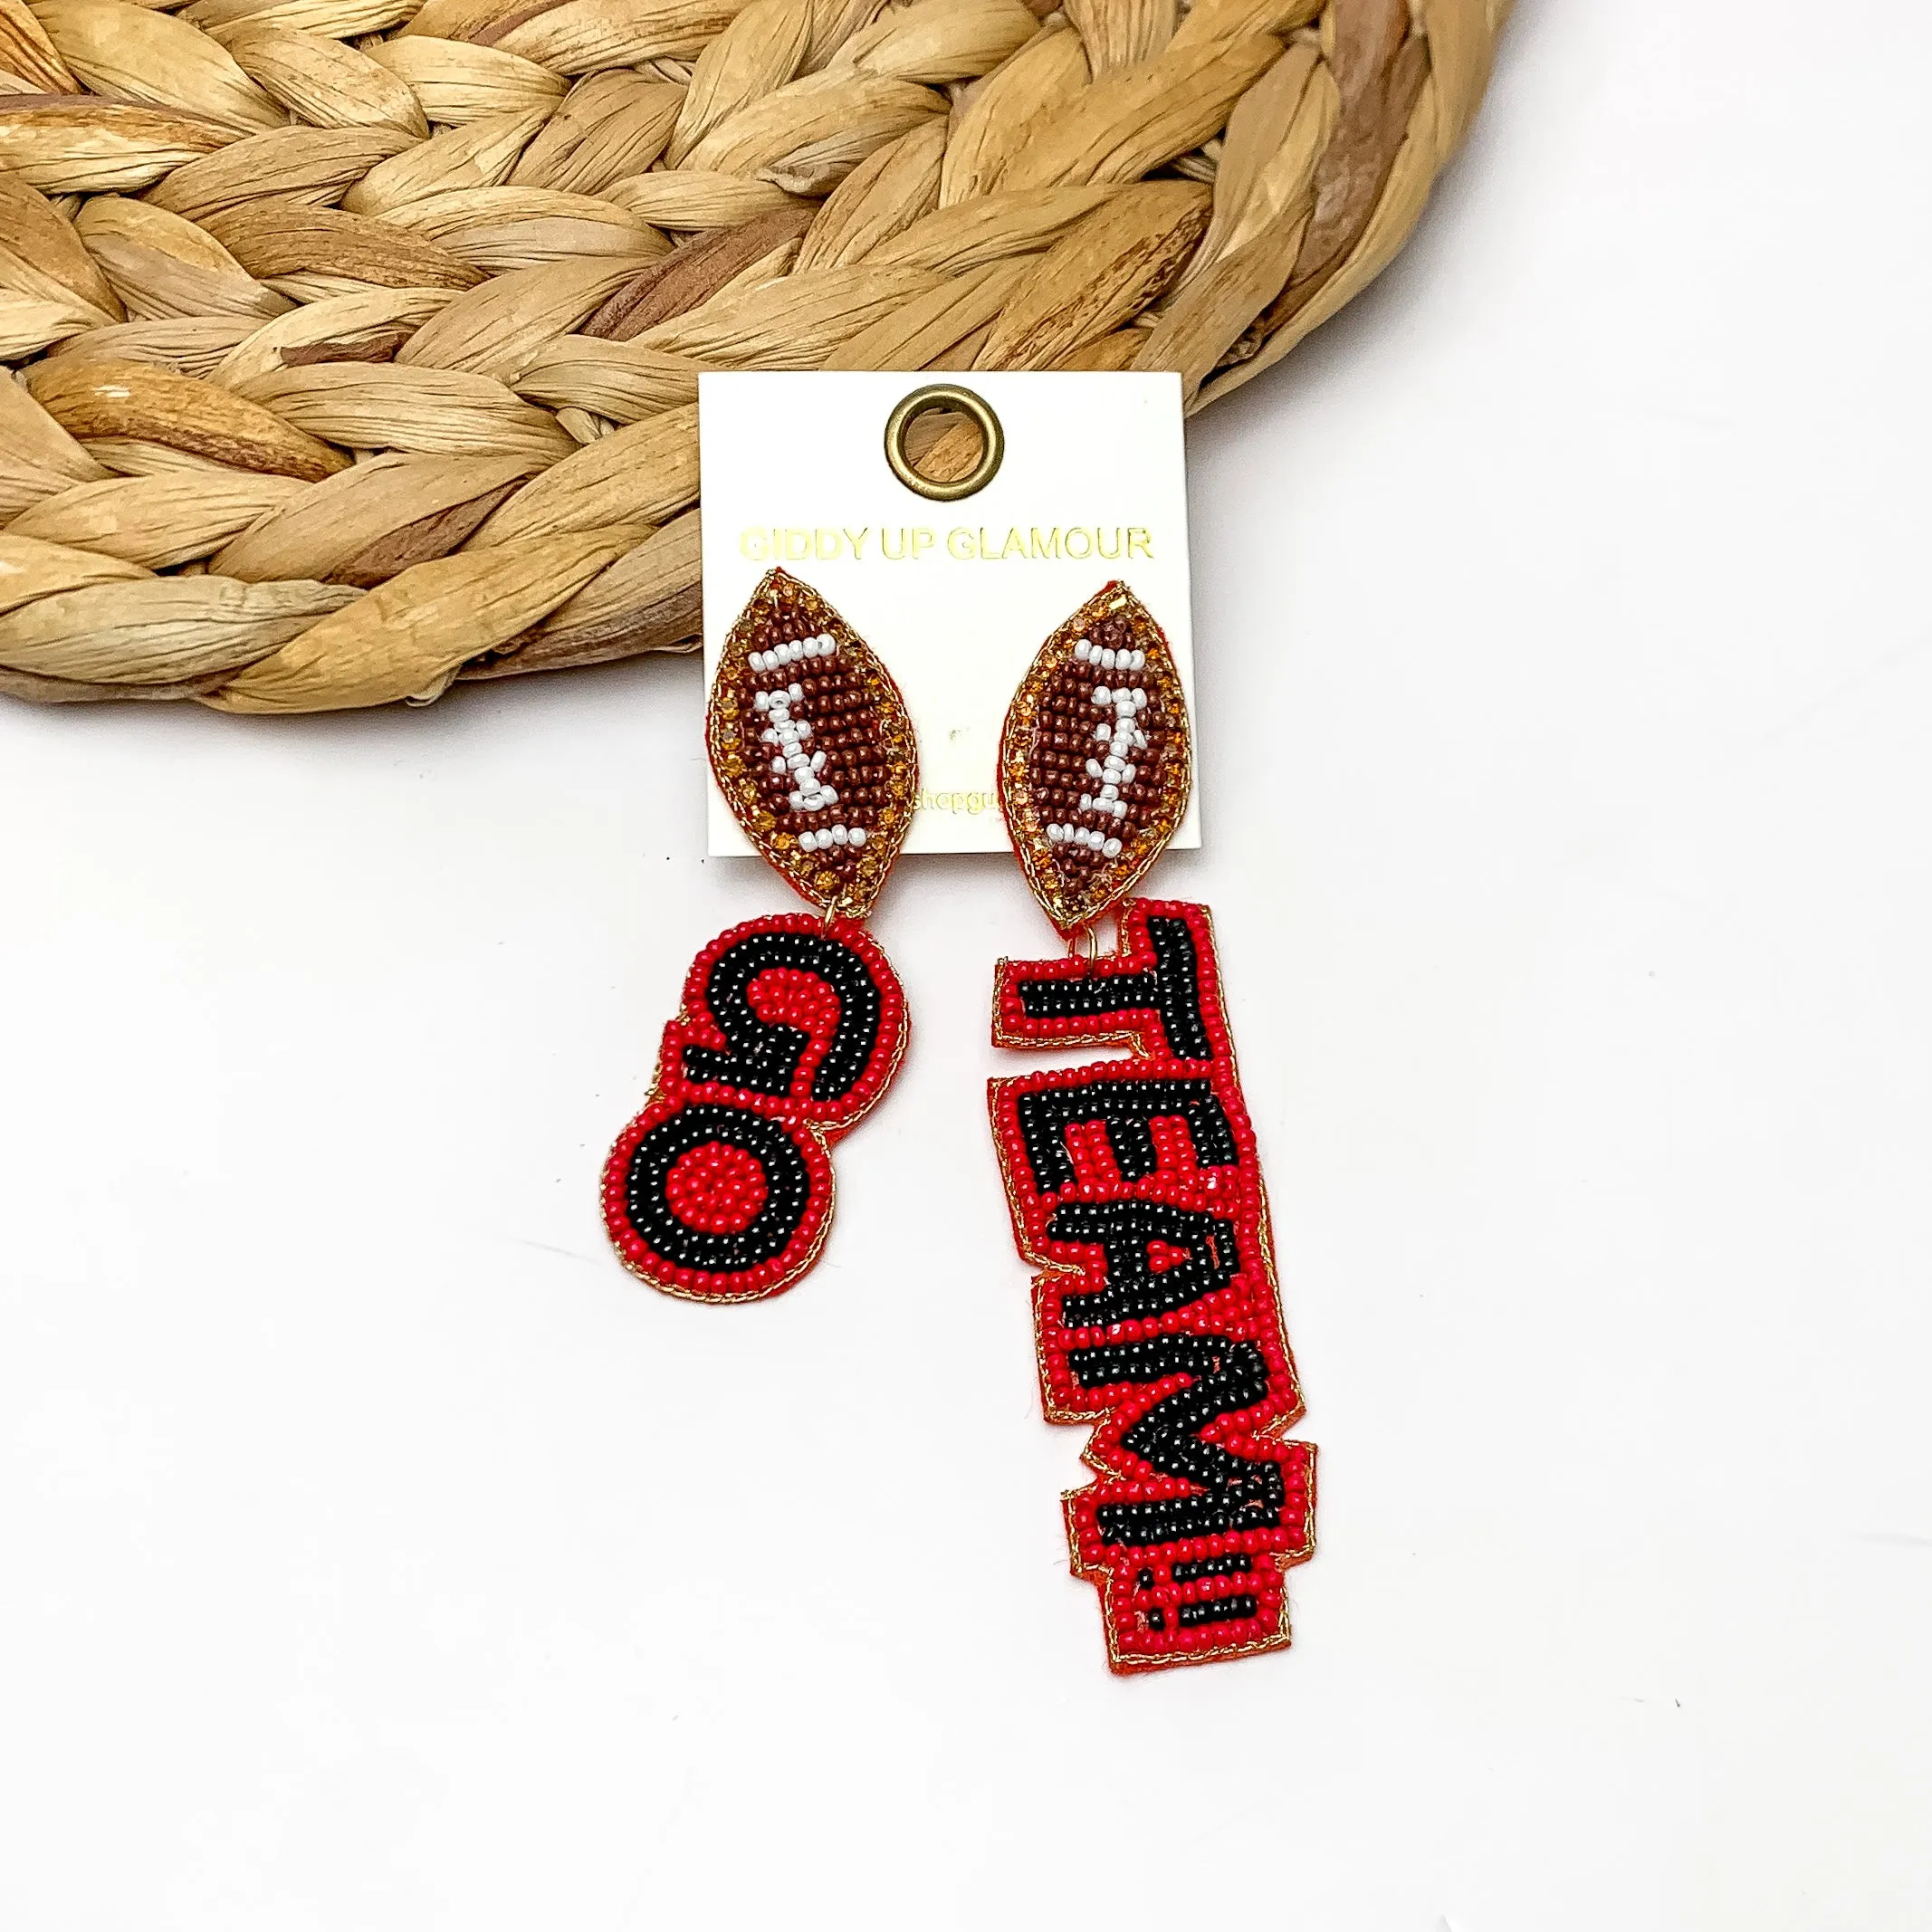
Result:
1132,1183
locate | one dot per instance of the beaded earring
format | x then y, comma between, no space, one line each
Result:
1134,1183
792,1025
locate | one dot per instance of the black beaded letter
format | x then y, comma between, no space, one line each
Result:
1171,987
788,1189
1126,1108
1228,1376
764,1058
1136,1291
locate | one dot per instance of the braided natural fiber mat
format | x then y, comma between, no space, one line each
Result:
355,343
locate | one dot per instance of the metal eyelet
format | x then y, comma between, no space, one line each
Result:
976,409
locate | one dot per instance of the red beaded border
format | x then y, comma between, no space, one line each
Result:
811,1125
1142,1597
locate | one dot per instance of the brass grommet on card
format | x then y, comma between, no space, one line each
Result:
976,409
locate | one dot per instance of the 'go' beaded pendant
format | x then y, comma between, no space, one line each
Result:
792,1026
1134,1183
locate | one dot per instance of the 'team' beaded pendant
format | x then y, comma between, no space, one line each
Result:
1134,1183
792,1026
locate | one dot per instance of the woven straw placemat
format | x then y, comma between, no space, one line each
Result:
353,345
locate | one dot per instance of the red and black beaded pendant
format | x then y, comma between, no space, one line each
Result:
1134,1183
793,1025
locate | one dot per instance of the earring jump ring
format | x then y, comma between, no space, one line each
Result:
976,409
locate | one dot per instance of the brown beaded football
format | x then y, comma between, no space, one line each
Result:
352,345
812,746
1094,758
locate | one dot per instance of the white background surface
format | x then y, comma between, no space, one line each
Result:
379,1557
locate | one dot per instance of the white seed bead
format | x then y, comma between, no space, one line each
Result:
1102,695
1112,849
1083,650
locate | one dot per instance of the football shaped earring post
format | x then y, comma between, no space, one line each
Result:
1094,758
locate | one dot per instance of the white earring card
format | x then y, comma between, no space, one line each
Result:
955,597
